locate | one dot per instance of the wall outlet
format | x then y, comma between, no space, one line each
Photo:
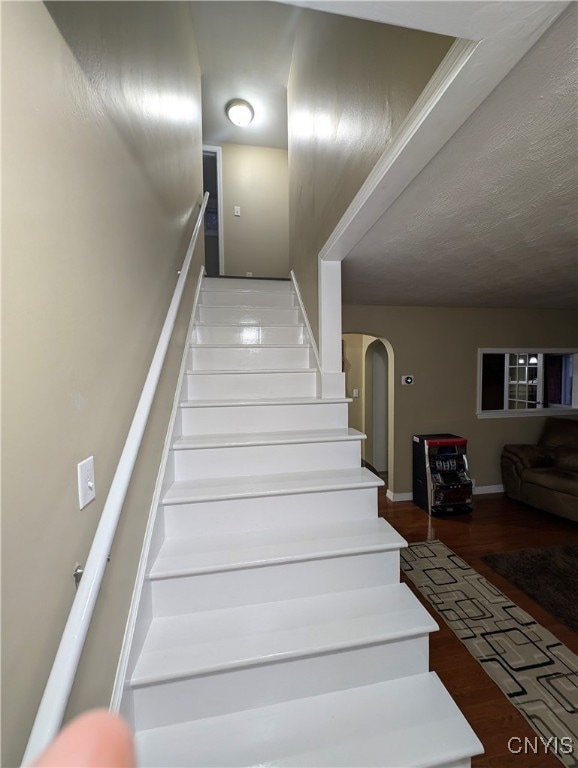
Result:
248,274
355,393
86,484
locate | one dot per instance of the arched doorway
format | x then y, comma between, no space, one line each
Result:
368,365
376,406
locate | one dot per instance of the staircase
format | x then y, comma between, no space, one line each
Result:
271,626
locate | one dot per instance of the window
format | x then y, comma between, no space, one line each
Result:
523,382
525,376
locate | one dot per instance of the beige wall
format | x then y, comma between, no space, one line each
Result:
257,241
353,355
101,162
439,346
352,83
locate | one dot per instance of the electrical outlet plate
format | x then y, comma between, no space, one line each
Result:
86,484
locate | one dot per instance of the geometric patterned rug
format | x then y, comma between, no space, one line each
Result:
533,668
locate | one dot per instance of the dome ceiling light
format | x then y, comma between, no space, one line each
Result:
239,112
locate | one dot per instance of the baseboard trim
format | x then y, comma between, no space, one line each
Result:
479,490
399,496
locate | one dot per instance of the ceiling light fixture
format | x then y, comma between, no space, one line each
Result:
239,112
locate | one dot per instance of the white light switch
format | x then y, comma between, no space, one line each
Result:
237,210
86,484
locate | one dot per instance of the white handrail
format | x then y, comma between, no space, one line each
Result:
55,698
305,318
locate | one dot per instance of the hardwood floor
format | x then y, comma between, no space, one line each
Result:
496,525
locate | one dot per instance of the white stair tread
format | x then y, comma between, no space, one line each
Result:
245,323
251,549
240,345
251,371
212,641
235,284
263,401
411,721
248,305
190,491
245,306
240,289
267,438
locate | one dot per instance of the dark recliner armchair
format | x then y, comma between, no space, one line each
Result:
545,475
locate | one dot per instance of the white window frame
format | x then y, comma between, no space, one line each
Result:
505,413
539,380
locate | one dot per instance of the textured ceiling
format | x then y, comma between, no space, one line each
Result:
492,220
245,52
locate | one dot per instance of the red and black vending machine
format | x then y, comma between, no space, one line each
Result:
441,479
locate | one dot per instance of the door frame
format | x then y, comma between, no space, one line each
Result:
379,397
218,152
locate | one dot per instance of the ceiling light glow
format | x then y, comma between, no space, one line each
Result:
240,112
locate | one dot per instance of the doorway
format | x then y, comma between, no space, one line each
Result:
376,404
368,367
213,184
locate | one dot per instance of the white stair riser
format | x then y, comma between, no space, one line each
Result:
247,298
229,515
241,461
251,687
220,420
248,358
248,315
248,334
251,386
226,589
243,284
